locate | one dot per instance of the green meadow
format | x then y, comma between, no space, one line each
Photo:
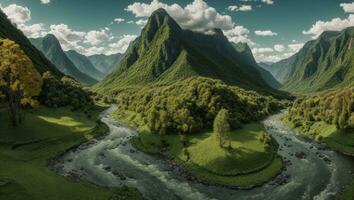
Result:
26,149
247,163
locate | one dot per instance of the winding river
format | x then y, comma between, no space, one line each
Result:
112,161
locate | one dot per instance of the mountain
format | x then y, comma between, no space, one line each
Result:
105,63
322,64
247,54
84,64
9,30
165,53
50,47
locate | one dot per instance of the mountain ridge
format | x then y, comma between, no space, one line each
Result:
165,53
9,31
51,48
322,64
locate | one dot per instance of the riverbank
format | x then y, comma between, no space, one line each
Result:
46,133
249,163
341,141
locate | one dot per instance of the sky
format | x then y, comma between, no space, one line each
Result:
274,29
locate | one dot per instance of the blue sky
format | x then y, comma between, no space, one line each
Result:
275,29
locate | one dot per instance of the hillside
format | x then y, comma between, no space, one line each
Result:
50,47
246,53
104,63
84,64
324,63
8,30
164,53
328,117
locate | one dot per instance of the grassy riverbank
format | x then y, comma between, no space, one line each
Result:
45,133
248,163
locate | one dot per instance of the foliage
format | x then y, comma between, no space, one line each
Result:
8,30
19,80
65,92
190,105
335,108
222,126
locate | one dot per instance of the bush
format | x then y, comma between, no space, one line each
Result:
65,92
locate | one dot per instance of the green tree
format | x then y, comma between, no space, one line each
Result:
222,126
19,80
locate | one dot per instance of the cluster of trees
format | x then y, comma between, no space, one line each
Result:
335,108
20,82
191,105
65,92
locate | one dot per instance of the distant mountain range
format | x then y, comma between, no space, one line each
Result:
8,30
104,63
324,63
165,53
50,47
84,64
87,70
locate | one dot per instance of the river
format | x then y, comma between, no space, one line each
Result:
113,161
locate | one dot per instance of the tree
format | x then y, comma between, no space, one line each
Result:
19,80
222,126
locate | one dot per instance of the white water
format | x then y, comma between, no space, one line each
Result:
113,161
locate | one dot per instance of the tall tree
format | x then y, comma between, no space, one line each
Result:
19,80
222,126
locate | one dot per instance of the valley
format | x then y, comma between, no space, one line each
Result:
183,106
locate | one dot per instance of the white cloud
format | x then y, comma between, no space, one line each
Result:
347,7
239,34
119,20
122,44
245,8
269,2
141,22
17,14
296,47
280,52
241,8
97,37
335,24
262,50
34,30
279,47
232,8
197,16
265,33
45,1
68,38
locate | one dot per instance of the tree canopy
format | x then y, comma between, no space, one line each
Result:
19,80
222,126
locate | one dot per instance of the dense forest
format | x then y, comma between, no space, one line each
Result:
335,107
191,105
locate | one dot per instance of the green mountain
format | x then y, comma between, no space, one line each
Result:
8,30
50,47
247,54
322,64
164,53
104,63
84,64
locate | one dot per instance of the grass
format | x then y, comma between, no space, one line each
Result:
26,149
339,140
248,163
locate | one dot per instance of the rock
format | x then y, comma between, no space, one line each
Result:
300,155
108,168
